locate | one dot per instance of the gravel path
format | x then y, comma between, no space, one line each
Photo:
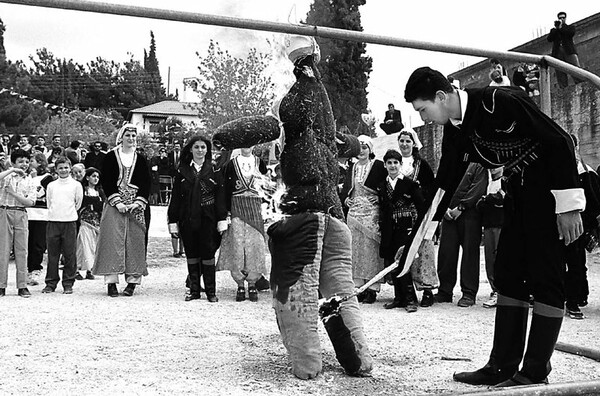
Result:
155,343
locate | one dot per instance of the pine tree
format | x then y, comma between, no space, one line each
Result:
344,66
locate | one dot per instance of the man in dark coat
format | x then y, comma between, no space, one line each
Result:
501,126
5,144
95,158
393,120
563,48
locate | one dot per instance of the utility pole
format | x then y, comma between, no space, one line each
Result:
168,80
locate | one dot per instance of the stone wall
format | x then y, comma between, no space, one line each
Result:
575,108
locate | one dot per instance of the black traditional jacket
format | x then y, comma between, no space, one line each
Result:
502,126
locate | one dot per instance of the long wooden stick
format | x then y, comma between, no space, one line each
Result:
406,258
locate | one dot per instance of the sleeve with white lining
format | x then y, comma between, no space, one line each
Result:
569,200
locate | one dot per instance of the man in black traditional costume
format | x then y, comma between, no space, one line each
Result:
501,126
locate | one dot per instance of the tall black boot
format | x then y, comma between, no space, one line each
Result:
399,295
210,284
194,281
540,345
510,329
412,303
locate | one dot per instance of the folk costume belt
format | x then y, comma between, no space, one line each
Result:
22,209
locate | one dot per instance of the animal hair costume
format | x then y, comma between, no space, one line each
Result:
311,246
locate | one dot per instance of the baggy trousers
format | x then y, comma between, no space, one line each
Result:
312,253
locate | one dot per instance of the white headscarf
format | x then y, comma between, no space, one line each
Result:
119,138
364,139
414,137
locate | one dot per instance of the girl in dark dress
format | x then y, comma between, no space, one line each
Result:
197,214
90,214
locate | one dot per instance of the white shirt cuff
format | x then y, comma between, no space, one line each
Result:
569,200
222,225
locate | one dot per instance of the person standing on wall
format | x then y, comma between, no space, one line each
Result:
563,48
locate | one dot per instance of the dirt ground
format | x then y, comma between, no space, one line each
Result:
155,343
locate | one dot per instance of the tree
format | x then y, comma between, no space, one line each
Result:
85,126
99,84
344,66
154,81
233,87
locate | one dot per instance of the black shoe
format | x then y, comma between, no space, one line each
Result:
241,294
574,311
24,292
212,298
67,290
263,284
47,289
395,304
252,294
483,376
193,296
466,301
2,292
518,380
412,304
442,298
370,296
427,300
361,296
78,276
128,291
89,276
112,290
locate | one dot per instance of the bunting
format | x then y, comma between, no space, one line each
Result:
55,108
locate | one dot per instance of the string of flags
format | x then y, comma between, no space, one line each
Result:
55,108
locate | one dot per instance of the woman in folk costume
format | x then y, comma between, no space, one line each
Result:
243,248
124,224
90,214
360,190
311,247
197,214
423,268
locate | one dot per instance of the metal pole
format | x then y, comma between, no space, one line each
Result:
544,83
562,389
305,30
578,350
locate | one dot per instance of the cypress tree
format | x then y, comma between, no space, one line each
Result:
344,65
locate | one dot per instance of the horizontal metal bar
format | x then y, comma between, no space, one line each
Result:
305,30
578,350
560,389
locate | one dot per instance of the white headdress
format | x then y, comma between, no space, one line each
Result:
364,139
125,127
297,47
414,137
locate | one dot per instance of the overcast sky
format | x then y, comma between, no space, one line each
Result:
491,25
